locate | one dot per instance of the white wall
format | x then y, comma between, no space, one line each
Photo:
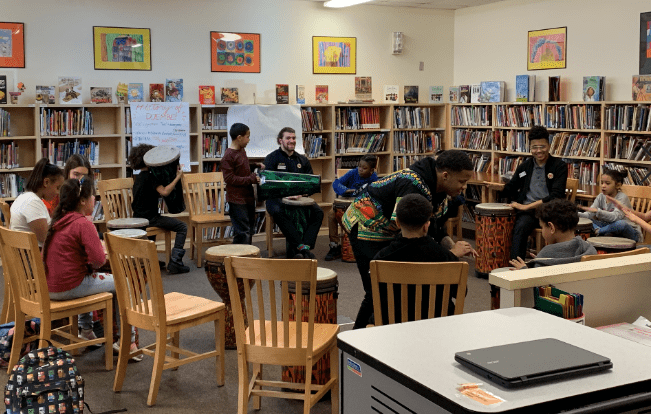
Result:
59,43
490,43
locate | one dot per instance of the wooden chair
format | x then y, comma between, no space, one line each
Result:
143,304
21,254
591,257
454,225
269,233
271,338
417,274
571,188
117,196
640,197
206,203
7,314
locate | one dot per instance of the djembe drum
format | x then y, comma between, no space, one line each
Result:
279,184
327,288
606,245
494,228
131,233
163,163
127,223
296,210
584,228
216,275
340,205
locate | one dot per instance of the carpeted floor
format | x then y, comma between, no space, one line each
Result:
192,388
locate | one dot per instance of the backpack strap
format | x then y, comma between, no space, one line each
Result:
105,412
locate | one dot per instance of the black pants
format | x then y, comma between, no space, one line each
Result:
243,221
171,224
525,223
287,226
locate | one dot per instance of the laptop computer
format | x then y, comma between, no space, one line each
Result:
531,362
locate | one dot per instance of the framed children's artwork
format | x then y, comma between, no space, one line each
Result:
234,52
547,49
121,48
334,55
12,45
645,43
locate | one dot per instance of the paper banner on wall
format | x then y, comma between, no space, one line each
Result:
265,122
163,123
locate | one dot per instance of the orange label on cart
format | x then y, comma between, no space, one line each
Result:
481,396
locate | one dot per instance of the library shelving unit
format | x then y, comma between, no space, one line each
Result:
418,130
18,141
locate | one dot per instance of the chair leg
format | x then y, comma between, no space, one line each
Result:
7,306
157,371
175,341
307,401
257,374
243,387
123,358
220,339
74,331
193,240
108,335
200,247
17,344
334,371
168,246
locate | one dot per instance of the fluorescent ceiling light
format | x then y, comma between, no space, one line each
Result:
343,3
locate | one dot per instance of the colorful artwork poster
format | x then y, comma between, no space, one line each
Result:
12,45
121,48
645,43
334,55
234,52
547,49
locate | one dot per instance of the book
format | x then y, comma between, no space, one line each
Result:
156,92
475,93
300,94
101,95
45,94
69,90
390,93
435,94
492,91
464,93
411,94
593,88
230,95
136,93
525,88
173,90
363,87
554,88
642,87
454,94
3,89
121,92
321,94
206,94
282,93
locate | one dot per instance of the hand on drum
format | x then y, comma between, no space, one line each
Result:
588,209
179,172
261,166
518,206
463,248
518,263
294,197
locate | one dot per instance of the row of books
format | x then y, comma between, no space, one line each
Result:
586,172
311,119
471,115
11,185
347,142
628,147
315,145
214,145
473,193
508,165
558,302
480,162
573,116
59,152
357,118
523,116
9,157
512,140
628,118
567,144
62,122
404,161
411,117
98,211
468,214
214,120
127,120
5,123
490,91
347,162
416,141
472,139
635,175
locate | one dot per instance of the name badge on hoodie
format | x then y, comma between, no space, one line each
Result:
281,166
522,174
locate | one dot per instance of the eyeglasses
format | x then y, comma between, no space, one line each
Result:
539,147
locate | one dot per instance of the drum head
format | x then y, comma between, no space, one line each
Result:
218,253
127,223
494,209
612,242
323,274
161,155
584,224
303,201
130,233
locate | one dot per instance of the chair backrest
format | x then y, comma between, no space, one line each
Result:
415,276
116,195
204,193
137,278
6,213
591,257
572,185
640,197
272,330
21,254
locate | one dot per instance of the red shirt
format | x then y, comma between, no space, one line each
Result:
238,177
73,246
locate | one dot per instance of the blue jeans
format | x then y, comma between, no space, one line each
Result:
243,221
619,228
92,284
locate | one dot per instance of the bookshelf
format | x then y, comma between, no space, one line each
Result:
417,131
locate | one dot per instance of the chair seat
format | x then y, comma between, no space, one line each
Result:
324,333
210,218
63,305
182,308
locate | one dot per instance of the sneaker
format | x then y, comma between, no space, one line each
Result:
299,255
132,348
334,253
175,267
308,254
89,335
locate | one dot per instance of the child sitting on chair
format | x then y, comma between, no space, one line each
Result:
348,186
558,219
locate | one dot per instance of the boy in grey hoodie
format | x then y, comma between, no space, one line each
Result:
558,219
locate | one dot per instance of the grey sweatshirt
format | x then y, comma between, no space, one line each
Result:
562,253
607,212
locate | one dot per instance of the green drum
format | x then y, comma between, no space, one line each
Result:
296,210
278,184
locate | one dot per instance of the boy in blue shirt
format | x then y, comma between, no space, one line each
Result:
347,186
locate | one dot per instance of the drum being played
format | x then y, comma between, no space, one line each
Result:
611,244
327,288
130,233
494,228
584,228
127,223
340,205
296,210
279,184
163,163
216,275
